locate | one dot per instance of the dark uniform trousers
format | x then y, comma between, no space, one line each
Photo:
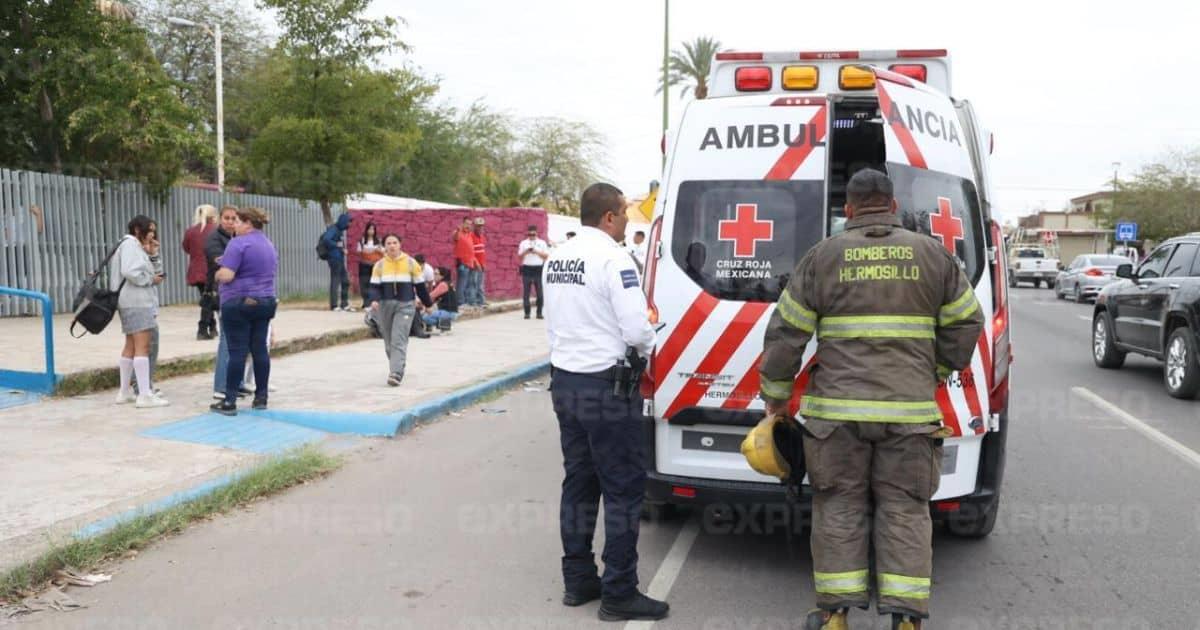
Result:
603,449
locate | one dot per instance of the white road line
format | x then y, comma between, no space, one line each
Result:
1185,453
1084,318
671,565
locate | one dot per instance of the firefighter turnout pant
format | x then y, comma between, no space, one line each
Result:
603,447
899,466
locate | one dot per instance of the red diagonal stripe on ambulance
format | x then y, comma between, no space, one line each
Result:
985,352
793,157
907,142
713,362
971,393
693,318
746,389
949,416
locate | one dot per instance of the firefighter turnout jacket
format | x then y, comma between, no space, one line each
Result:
894,314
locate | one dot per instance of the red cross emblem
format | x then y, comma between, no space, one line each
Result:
945,226
745,230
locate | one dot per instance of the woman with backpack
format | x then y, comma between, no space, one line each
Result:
370,251
396,281
133,277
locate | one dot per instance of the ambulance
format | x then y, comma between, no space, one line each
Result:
755,176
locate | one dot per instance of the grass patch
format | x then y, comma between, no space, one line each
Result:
87,554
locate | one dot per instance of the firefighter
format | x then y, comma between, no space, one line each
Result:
596,319
894,315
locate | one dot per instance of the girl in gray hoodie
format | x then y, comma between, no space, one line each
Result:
134,276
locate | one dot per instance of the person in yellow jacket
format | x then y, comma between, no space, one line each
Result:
396,281
894,315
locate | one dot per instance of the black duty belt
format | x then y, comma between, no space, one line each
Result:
609,375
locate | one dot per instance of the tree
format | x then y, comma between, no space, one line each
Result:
1163,198
80,91
690,67
455,148
188,55
489,191
559,158
321,121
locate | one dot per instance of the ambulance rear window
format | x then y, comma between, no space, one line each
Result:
741,240
942,206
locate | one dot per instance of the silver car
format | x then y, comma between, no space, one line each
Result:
1087,274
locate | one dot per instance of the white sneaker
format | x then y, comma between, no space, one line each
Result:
124,398
151,400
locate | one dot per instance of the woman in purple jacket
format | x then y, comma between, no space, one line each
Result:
247,277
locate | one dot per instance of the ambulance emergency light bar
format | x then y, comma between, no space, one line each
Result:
737,72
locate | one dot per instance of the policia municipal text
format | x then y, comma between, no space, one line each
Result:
599,334
872,425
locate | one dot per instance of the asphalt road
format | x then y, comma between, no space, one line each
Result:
454,526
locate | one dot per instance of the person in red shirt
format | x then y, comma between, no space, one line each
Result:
480,257
197,269
464,259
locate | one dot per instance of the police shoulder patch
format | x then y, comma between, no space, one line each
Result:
629,278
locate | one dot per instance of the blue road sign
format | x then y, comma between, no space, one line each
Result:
1127,231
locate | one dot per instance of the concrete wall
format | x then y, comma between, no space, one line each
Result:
429,232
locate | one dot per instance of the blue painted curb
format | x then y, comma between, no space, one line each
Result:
366,424
402,422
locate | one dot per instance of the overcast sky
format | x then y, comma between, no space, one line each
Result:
1067,88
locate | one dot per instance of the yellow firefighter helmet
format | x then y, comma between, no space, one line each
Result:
760,449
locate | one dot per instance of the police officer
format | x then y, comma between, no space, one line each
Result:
895,315
596,312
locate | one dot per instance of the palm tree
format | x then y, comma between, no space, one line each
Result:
690,67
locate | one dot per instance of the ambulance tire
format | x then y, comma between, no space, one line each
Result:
974,525
659,512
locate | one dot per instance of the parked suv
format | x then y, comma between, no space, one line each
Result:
1155,311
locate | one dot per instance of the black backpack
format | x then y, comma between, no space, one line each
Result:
94,306
322,247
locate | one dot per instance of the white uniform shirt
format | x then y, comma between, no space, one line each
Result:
639,254
532,259
594,304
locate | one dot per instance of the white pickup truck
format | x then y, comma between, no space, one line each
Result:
1031,264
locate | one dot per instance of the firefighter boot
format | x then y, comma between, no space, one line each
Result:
827,620
904,622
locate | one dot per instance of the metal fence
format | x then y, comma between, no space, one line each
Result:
82,218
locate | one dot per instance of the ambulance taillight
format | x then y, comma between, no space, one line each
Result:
800,77
753,79
916,71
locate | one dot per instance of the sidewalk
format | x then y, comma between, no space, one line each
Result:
21,337
68,462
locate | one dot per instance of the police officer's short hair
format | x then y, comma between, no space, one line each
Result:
869,187
598,200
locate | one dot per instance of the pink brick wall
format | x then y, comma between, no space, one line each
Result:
428,232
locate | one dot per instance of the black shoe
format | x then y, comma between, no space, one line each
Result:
203,335
581,595
637,606
526,315
244,392
540,316
259,403
224,408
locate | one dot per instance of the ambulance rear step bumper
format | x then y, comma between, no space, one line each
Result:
721,495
